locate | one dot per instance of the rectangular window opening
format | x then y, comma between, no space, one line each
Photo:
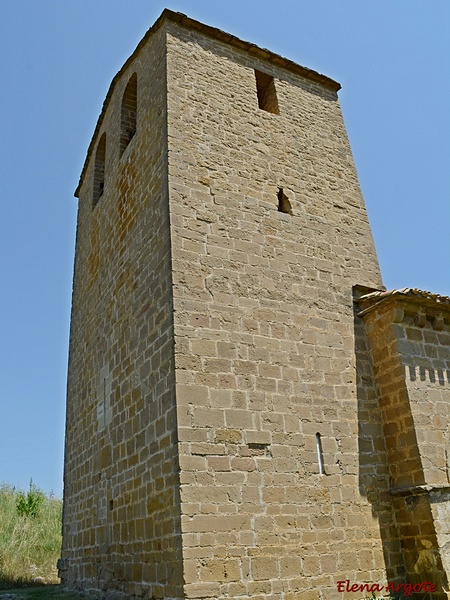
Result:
267,94
284,205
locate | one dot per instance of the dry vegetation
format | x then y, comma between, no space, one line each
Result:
30,537
30,545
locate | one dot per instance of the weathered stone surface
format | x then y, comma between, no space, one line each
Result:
233,430
411,358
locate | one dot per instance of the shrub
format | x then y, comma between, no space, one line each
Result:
30,536
29,505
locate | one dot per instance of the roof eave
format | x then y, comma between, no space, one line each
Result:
373,300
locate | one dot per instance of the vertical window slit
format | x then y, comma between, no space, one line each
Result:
320,454
266,92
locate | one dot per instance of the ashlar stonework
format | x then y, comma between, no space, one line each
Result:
249,414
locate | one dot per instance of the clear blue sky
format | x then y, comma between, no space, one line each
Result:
392,58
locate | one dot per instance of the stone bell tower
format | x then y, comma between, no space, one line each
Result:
214,422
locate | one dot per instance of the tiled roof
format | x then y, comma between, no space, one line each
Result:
371,299
411,292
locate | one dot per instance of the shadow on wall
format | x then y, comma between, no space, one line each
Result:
407,528
415,372
373,461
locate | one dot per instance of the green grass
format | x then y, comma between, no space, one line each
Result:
30,538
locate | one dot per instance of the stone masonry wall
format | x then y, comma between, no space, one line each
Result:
410,345
121,502
404,458
374,458
233,429
424,344
264,333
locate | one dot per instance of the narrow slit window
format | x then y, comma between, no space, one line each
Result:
128,114
284,205
320,454
99,171
267,94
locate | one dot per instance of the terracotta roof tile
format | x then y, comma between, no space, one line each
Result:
370,300
411,292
